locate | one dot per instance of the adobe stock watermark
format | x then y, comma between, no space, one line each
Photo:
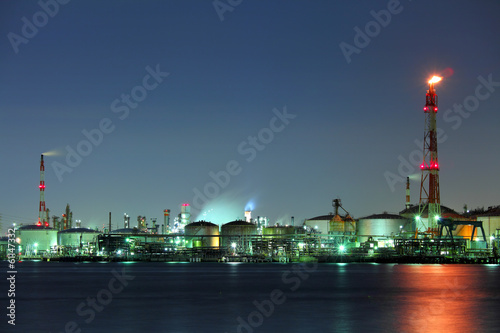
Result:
87,309
30,28
372,29
121,106
265,308
248,148
223,6
455,116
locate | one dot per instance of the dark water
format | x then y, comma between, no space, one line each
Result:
166,297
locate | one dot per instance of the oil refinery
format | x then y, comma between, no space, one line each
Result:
427,232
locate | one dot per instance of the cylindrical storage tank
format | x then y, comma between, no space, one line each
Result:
201,234
237,236
126,231
382,225
77,237
36,240
4,247
282,230
136,234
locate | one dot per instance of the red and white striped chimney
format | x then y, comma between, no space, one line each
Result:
42,211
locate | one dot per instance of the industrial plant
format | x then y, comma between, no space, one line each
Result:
427,232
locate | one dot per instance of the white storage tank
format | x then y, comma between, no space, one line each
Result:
238,234
201,234
77,237
382,225
36,240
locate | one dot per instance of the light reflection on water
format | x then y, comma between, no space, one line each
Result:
443,298
203,297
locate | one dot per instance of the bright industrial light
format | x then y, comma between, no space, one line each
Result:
36,244
233,245
341,248
437,217
119,252
417,218
492,237
435,79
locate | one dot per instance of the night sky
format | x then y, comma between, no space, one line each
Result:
288,104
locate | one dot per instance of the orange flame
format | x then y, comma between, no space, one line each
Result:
435,79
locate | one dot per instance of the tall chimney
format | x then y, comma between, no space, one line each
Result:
166,220
408,192
42,212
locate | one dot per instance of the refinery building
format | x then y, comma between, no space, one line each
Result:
423,232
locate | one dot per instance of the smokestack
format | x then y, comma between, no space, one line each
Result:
69,216
166,220
185,214
336,204
408,192
126,220
55,223
109,230
141,223
248,215
42,213
155,227
293,221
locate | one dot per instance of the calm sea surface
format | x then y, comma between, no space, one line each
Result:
203,297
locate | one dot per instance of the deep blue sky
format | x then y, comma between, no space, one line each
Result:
352,120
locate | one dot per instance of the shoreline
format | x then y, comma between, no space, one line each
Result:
305,259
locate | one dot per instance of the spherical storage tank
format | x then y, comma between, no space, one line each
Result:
76,236
382,225
201,234
35,239
239,232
